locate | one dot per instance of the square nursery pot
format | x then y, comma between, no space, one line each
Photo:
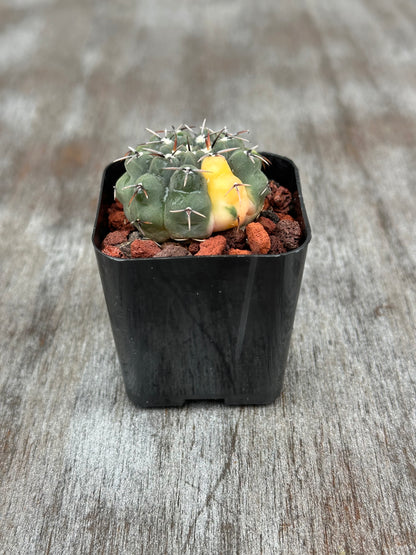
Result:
208,327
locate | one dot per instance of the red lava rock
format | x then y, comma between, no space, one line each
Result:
270,214
268,225
258,238
290,233
236,238
116,217
117,220
236,252
193,247
213,246
281,199
267,204
276,245
172,250
273,185
286,217
110,250
144,248
116,237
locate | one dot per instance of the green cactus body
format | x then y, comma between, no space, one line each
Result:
186,185
137,166
248,169
158,167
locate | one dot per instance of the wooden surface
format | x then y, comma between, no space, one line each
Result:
330,468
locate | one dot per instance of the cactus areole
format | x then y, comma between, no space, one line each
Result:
188,183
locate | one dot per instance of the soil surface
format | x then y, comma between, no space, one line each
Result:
276,231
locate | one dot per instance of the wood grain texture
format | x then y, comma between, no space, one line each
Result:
330,467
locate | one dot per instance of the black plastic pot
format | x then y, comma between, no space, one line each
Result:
198,328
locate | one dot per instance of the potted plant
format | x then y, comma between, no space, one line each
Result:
191,322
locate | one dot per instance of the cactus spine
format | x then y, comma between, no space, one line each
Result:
183,184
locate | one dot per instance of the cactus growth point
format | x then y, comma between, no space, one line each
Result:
186,184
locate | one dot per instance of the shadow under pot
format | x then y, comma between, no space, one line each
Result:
208,327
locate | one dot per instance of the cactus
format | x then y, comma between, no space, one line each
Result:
186,184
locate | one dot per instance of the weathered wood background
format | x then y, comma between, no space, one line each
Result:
330,468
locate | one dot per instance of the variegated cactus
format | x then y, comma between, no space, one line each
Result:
186,184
